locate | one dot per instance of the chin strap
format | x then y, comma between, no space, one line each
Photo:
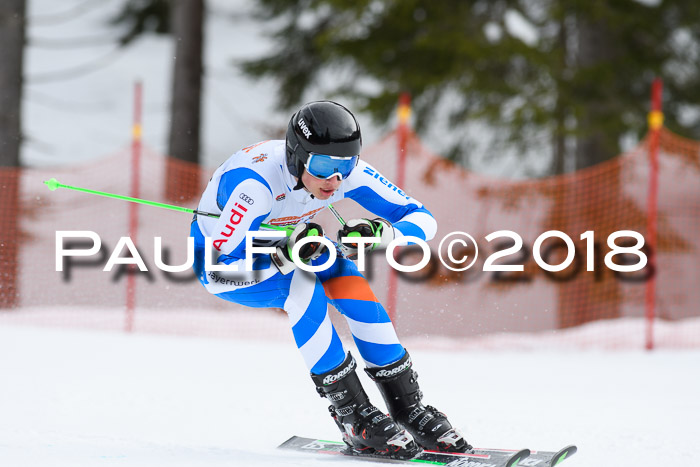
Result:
300,171
300,186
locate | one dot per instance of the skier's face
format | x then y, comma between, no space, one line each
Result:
320,188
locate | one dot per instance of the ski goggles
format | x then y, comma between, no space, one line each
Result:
324,167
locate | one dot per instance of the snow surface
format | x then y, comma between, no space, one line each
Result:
96,398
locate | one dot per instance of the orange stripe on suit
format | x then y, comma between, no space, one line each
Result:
349,287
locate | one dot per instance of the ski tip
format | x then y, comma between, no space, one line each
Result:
563,454
516,458
287,443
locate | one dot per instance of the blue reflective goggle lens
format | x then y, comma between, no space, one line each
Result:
323,166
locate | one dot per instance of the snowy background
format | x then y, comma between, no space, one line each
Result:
79,90
95,398
79,93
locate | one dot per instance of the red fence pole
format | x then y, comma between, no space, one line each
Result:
404,113
133,207
656,121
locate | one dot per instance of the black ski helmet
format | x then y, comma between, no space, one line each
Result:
322,127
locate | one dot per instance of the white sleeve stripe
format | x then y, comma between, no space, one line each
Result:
237,216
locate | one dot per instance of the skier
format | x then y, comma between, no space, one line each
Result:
288,183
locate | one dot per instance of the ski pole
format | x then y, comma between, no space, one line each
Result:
336,214
53,184
342,221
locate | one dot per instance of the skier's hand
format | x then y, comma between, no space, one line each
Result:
380,230
311,250
282,258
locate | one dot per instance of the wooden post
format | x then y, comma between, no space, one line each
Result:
133,207
656,121
402,130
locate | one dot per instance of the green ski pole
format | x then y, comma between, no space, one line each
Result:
54,184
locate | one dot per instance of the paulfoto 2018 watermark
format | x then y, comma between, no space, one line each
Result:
458,251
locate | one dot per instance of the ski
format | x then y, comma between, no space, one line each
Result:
476,458
549,458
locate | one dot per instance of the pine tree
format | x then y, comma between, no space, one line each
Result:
184,20
583,77
186,98
12,40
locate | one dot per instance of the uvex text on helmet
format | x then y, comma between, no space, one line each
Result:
322,127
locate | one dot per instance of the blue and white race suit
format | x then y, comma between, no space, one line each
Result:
254,187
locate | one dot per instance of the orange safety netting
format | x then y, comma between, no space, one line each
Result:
474,307
604,199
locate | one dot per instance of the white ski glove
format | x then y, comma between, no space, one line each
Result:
377,229
282,258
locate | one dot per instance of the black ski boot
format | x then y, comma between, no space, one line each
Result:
365,428
430,428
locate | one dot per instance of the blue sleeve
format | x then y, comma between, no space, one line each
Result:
231,179
381,197
394,213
